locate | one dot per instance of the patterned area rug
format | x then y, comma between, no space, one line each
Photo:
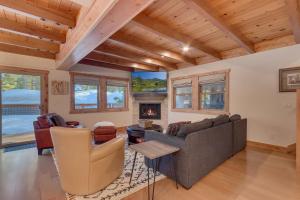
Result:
120,188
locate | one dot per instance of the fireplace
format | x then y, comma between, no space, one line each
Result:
150,111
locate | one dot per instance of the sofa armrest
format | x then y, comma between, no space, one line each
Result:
167,139
101,151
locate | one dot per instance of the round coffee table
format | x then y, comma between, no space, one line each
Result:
136,133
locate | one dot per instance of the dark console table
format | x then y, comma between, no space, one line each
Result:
136,133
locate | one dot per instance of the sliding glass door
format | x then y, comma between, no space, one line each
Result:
22,101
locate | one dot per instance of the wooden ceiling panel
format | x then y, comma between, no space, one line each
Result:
134,31
28,25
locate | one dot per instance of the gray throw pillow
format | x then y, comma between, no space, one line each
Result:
58,120
235,117
221,119
193,127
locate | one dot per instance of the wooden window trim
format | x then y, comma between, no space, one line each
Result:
196,94
44,81
102,94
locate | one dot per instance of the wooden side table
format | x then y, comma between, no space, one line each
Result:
154,150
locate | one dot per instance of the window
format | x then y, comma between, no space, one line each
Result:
116,94
90,93
212,92
183,94
202,93
86,91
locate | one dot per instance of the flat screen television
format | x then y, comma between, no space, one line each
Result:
149,83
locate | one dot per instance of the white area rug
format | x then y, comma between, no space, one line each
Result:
120,188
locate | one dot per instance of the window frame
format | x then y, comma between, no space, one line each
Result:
196,94
183,94
102,95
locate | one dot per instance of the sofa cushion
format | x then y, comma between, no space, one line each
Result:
235,117
221,119
193,127
58,120
173,128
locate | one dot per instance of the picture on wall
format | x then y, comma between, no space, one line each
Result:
289,79
60,87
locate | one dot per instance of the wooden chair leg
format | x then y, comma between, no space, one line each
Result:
40,152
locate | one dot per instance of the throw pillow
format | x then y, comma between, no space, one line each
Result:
58,121
173,128
221,119
193,127
235,117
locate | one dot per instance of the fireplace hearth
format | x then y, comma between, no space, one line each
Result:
150,111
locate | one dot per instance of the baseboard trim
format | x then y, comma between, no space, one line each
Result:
288,149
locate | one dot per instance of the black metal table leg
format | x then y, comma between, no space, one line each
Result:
148,182
156,167
174,169
135,153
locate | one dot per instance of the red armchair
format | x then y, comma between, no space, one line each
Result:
42,129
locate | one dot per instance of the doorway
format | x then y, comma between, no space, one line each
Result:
23,98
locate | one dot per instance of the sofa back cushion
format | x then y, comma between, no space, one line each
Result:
173,128
193,127
221,119
235,117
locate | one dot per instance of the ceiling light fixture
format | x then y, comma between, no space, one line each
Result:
148,60
134,65
185,48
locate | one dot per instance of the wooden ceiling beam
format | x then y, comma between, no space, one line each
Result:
151,49
163,30
118,61
32,29
26,41
102,20
293,10
43,12
208,13
105,65
26,51
129,55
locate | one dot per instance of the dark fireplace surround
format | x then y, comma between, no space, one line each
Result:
150,111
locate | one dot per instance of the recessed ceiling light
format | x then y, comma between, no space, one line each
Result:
134,65
148,60
185,48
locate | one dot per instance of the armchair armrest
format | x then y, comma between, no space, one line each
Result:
42,131
107,148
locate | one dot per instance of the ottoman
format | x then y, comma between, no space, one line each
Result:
104,131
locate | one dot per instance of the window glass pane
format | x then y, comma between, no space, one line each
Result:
212,96
86,96
183,97
115,96
184,90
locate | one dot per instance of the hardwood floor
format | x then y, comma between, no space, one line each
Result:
250,175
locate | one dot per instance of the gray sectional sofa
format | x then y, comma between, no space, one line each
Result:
201,150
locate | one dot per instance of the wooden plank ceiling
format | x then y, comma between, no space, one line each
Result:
36,27
168,34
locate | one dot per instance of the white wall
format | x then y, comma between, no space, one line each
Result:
255,95
61,103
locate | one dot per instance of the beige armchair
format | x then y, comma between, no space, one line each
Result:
84,168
